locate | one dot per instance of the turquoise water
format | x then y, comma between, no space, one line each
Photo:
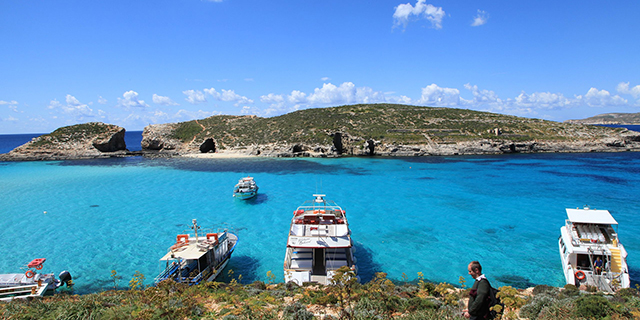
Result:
407,215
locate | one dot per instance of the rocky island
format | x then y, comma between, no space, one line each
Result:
82,141
352,130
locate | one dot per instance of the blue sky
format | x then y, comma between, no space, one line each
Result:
135,63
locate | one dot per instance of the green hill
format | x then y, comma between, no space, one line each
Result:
392,123
611,118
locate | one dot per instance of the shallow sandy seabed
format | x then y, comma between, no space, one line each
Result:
218,155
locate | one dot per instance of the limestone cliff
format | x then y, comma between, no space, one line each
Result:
82,141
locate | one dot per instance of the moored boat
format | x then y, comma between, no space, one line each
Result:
319,242
195,258
591,252
31,283
246,188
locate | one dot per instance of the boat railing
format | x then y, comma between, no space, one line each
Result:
319,230
168,271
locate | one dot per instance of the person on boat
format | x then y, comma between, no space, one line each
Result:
478,307
598,265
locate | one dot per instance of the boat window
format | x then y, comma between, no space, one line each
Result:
583,261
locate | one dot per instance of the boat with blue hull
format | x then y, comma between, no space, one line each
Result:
198,257
245,189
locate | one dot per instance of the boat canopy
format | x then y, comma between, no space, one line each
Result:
591,216
191,252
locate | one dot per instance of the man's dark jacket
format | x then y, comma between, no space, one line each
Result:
478,306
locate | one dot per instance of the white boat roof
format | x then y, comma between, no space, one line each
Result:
319,242
591,216
191,252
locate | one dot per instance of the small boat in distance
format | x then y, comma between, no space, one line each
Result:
591,252
319,242
197,257
246,188
31,283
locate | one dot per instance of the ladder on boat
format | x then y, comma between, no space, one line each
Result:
600,280
616,260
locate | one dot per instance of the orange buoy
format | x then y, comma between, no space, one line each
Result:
29,274
580,275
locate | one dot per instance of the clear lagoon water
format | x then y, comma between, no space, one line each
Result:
408,215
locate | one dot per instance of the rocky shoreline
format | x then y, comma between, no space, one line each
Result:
99,140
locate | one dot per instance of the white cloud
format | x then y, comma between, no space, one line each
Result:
228,95
73,107
328,95
437,96
130,99
325,78
272,98
297,97
623,87
12,102
194,96
102,100
480,18
10,119
405,12
601,98
165,101
543,100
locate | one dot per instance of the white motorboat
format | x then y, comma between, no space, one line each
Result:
319,242
195,258
246,188
591,252
31,283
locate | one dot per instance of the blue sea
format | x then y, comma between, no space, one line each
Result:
408,215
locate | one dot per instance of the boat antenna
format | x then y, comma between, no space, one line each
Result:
195,228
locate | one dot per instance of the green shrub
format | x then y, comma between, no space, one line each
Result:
415,304
569,291
545,289
593,307
532,309
297,311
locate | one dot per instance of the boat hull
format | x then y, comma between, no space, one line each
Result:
245,195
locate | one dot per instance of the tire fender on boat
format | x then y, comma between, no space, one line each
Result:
580,275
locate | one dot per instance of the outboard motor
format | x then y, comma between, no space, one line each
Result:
65,278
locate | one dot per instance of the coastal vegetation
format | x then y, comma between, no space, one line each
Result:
380,298
393,123
70,134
